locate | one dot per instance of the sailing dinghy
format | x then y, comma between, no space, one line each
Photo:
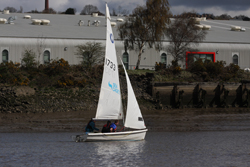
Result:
110,100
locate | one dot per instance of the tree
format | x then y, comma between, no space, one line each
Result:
145,27
113,12
92,53
28,60
40,46
11,9
242,17
21,10
70,11
183,34
208,16
89,9
50,10
119,11
34,11
224,17
122,11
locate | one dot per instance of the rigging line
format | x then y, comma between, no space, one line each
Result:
123,105
122,128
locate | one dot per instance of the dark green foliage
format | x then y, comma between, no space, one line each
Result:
28,61
209,70
56,67
159,66
214,69
70,11
174,69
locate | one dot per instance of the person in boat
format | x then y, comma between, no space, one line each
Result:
113,126
91,126
106,127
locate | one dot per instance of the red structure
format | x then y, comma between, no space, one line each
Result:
46,5
188,54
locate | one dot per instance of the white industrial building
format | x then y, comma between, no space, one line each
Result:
55,36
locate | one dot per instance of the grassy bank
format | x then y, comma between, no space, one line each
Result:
60,87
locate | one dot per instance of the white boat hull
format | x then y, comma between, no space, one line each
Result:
116,136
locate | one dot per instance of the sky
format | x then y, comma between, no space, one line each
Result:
216,7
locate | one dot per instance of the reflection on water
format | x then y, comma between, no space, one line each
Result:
118,152
204,149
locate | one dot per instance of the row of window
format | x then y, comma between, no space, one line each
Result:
5,56
190,57
125,59
194,56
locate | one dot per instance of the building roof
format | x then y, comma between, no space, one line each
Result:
66,27
221,31
60,26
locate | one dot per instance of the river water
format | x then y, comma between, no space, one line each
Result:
177,149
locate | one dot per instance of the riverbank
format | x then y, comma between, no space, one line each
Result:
211,119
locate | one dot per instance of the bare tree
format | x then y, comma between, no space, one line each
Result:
146,26
113,12
40,46
183,35
21,10
89,9
92,53
122,11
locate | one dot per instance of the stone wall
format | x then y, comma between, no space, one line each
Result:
215,94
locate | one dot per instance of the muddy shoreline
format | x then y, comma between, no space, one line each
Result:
185,120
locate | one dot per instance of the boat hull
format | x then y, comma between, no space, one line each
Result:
116,136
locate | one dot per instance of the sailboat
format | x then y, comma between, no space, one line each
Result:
110,101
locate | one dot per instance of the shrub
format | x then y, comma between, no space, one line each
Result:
28,60
91,53
159,66
197,67
214,69
56,67
232,69
8,71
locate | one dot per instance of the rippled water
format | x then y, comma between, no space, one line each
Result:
220,149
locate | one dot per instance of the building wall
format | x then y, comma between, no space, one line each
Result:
225,52
65,48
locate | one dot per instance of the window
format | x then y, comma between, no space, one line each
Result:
5,56
164,58
194,56
46,57
125,59
235,59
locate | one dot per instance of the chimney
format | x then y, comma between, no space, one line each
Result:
46,5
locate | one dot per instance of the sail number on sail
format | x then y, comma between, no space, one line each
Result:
110,64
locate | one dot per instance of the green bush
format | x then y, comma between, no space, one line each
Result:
209,70
197,67
56,67
214,69
28,60
160,66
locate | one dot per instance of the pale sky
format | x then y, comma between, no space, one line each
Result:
216,7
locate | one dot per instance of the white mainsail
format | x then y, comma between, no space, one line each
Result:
110,103
134,117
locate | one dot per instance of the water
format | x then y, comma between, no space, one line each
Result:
178,149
